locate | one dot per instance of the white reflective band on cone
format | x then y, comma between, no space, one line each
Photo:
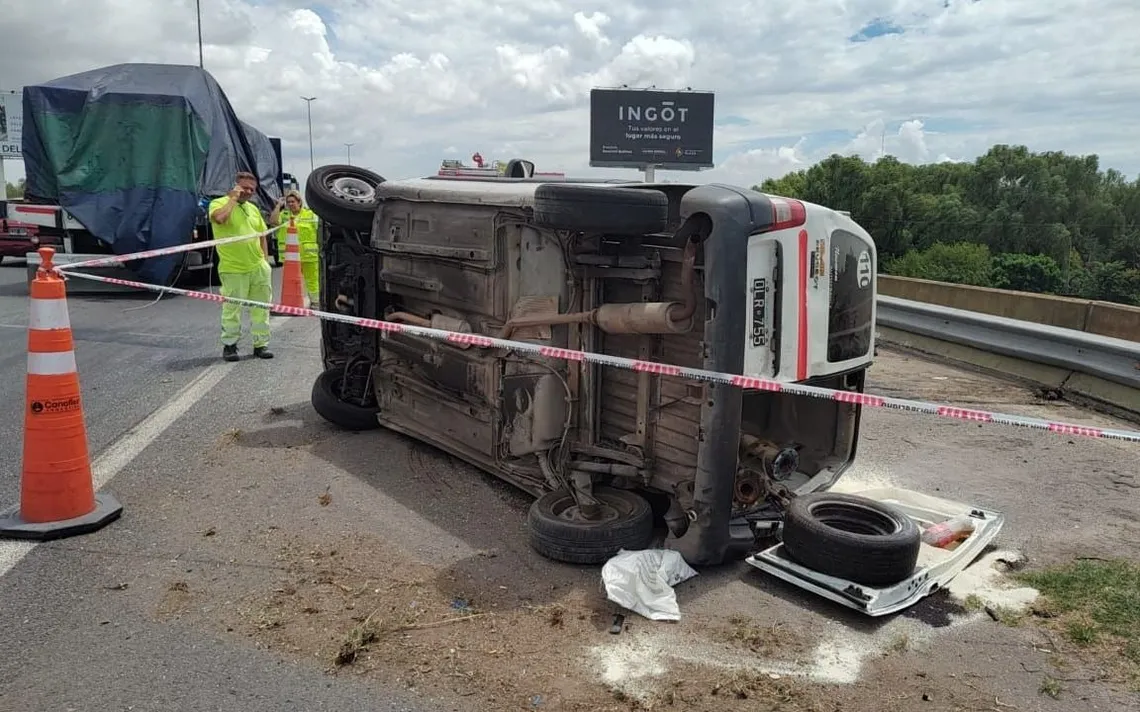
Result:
48,314
60,363
292,257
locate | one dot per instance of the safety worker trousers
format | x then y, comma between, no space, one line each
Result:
311,272
256,285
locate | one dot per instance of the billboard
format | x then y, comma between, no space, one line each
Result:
635,128
11,124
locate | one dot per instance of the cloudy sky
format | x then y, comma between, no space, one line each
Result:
411,82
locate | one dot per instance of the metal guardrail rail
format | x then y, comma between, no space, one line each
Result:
1104,357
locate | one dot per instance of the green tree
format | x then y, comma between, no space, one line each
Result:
15,190
1027,273
1033,207
961,263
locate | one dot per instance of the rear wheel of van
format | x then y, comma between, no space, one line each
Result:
590,208
344,195
558,530
330,404
852,538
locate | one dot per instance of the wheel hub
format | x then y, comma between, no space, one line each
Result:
594,513
352,189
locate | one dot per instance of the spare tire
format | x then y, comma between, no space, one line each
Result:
852,538
597,209
344,195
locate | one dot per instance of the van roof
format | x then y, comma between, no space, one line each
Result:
513,192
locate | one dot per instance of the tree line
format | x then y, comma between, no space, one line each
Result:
14,190
1013,219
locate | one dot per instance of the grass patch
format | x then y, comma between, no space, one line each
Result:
1096,604
1052,687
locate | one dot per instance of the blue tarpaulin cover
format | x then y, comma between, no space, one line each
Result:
130,150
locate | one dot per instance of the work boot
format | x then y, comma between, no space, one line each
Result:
262,352
229,352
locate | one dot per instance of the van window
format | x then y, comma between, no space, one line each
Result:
852,298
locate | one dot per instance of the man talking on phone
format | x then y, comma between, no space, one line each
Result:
243,267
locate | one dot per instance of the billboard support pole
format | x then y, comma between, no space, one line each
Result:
650,173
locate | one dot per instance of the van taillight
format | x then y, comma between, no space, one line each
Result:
787,213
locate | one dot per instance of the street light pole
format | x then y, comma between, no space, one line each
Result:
349,147
198,7
309,104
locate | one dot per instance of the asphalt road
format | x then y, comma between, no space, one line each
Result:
236,493
70,646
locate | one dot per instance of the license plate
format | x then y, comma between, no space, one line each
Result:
18,231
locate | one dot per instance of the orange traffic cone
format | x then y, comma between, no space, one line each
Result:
57,497
292,283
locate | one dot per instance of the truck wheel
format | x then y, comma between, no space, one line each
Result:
326,400
852,538
559,532
344,195
589,208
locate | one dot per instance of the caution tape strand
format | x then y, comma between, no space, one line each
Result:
738,381
161,251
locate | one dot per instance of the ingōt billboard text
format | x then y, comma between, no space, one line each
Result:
635,128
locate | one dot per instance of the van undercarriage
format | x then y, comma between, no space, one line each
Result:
652,273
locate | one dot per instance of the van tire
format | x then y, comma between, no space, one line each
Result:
593,209
327,402
852,538
344,195
590,542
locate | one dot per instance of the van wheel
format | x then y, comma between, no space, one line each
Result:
559,532
589,208
852,538
327,401
344,195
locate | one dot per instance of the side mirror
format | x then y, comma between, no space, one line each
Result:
518,168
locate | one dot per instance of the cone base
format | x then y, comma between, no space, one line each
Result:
107,509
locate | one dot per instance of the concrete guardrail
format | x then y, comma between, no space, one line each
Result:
1099,369
1094,317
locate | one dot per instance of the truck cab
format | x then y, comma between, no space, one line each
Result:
711,277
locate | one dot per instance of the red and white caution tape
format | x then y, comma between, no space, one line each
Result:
159,252
745,382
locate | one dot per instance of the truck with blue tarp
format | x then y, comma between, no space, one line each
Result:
121,159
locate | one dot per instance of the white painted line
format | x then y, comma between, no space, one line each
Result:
130,444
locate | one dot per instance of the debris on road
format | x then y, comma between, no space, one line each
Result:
643,582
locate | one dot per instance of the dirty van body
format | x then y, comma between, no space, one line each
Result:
709,276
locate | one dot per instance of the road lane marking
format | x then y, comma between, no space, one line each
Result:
115,458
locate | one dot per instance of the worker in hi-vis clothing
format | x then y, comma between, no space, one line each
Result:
243,266
292,207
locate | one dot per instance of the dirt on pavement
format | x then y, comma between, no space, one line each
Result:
371,555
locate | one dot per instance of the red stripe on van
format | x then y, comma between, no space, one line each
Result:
802,343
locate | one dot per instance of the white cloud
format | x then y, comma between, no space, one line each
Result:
591,27
409,83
